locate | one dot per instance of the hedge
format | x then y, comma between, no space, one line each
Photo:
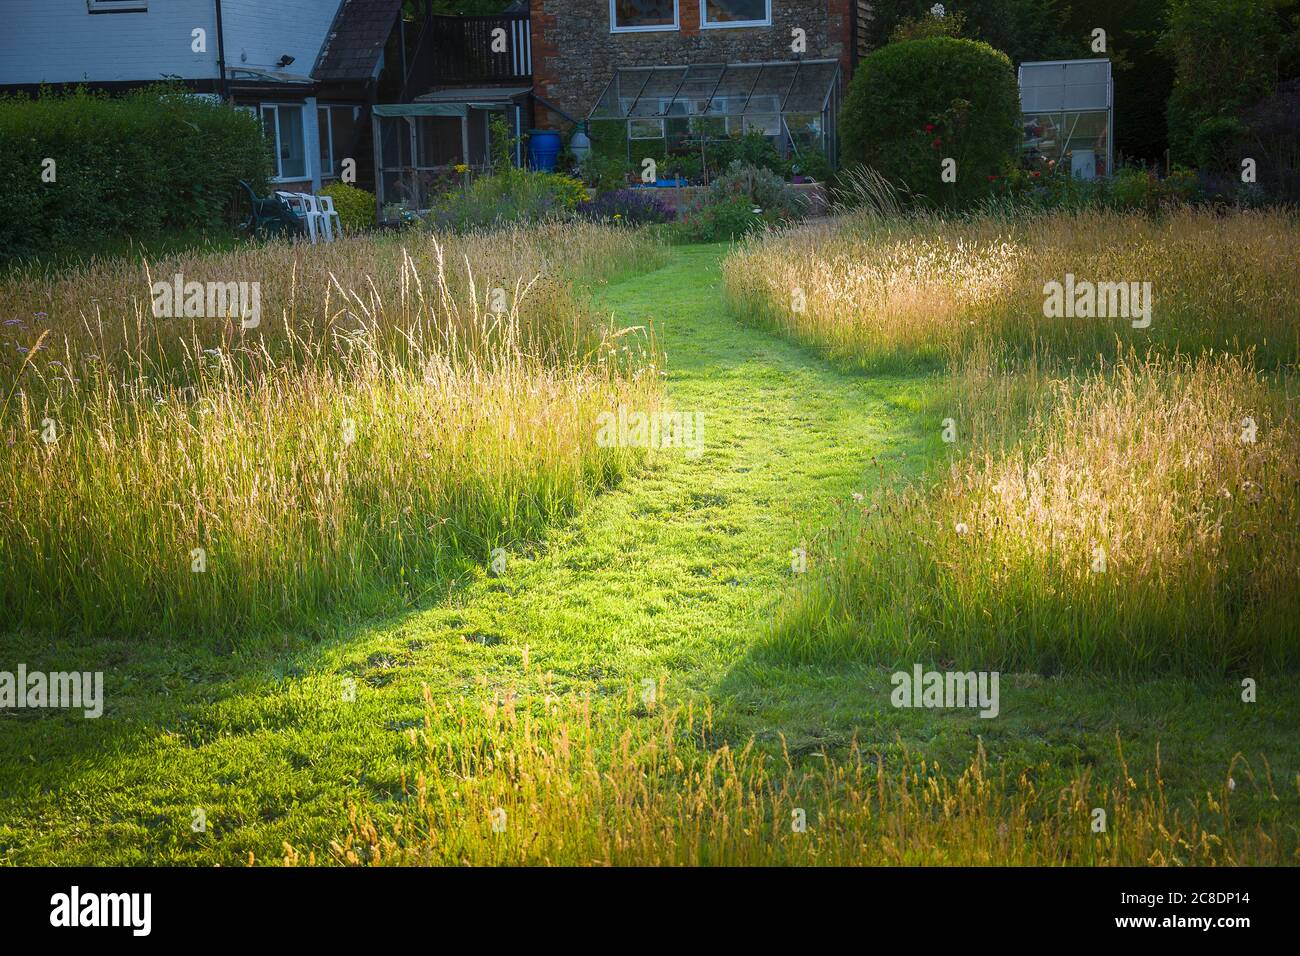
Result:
132,166
914,103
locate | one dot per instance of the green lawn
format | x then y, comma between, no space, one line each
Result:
673,576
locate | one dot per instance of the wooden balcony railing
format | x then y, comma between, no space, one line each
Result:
471,50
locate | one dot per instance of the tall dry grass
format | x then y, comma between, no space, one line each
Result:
561,782
1121,525
381,426
1099,508
884,292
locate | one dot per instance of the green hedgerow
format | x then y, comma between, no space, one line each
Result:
157,159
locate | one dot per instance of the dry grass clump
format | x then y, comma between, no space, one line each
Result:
1101,509
884,292
381,425
1128,528
562,782
314,298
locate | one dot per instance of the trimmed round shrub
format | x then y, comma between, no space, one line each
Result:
356,207
915,103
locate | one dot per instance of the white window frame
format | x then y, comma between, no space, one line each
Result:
663,133
326,135
615,28
732,24
306,159
117,6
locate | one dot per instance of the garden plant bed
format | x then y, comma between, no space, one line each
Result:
681,197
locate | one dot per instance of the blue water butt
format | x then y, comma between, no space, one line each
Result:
543,148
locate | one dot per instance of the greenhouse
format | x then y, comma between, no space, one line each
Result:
792,103
1068,111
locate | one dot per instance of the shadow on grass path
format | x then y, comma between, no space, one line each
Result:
671,576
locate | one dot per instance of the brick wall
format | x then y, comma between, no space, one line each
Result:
574,53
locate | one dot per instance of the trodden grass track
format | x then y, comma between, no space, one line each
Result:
671,577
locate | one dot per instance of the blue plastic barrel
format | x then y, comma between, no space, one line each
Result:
543,148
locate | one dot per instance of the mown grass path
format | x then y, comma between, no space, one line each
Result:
671,576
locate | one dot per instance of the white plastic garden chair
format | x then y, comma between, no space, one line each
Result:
327,210
315,206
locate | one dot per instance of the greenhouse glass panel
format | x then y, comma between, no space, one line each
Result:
658,93
769,124
805,131
677,129
395,142
698,89
811,87
1067,108
792,102
771,89
715,126
733,90
645,129
608,106
1065,85
1077,138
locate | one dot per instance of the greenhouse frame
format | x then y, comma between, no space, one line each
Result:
1068,111
793,103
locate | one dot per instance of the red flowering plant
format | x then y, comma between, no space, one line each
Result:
943,133
1034,176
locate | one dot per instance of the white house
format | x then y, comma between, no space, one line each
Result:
310,68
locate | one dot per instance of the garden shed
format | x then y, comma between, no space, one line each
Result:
1068,108
793,103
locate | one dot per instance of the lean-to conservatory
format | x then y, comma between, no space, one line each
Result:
792,103
417,143
1068,110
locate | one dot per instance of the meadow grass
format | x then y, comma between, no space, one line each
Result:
512,693
608,779
387,419
885,293
543,780
1114,499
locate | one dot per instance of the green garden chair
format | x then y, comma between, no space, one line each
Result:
270,216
